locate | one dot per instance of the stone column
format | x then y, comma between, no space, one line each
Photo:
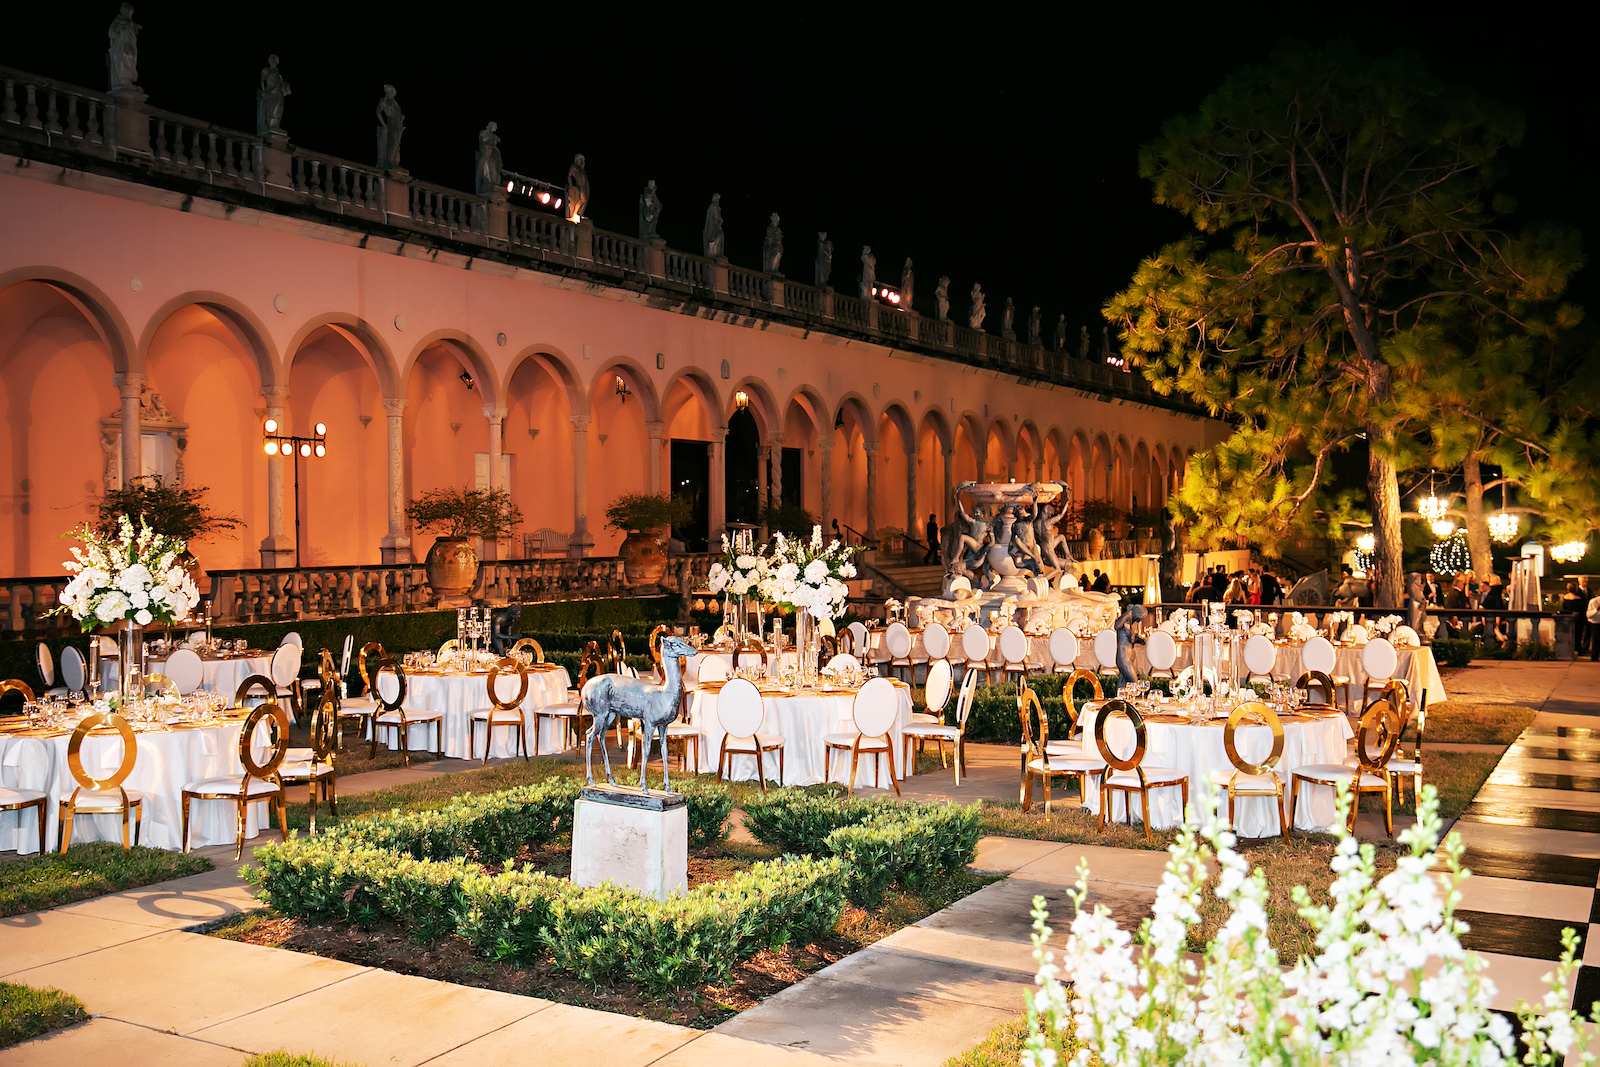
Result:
717,484
872,489
980,454
278,548
396,544
763,458
497,423
581,542
913,527
129,386
653,460
825,480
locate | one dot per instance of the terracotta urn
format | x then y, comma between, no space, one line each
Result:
1097,543
644,556
452,567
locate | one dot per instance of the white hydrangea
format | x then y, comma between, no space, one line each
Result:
129,576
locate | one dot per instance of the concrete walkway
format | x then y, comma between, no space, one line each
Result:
161,994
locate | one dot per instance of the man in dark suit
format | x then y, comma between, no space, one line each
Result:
1102,582
931,532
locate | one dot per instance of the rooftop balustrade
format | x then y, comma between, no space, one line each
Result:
121,136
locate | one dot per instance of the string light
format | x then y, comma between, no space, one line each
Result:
1366,544
1450,556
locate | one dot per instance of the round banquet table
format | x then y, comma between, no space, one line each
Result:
221,674
167,760
801,720
1198,750
775,662
458,695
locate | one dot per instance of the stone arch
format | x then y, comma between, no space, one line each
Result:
94,305
854,431
762,406
542,394
897,501
999,467
1140,476
1030,465
250,332
361,335
469,353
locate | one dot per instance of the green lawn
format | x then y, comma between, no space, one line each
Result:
26,1012
1003,1047
33,883
1456,722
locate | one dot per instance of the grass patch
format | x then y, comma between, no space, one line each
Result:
1003,1047
1069,824
1457,775
26,1012
1457,722
33,883
282,1058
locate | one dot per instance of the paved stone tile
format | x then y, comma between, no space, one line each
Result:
39,938
1518,977
1123,865
1532,816
565,1034
185,982
111,1041
1006,854
376,1017
1488,837
174,905
1510,896
726,1050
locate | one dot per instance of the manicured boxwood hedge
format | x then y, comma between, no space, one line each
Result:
423,870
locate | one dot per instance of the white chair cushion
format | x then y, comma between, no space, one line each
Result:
1334,773
921,729
303,769
500,715
1065,764
91,803
868,744
1245,781
1405,766
922,718
19,796
1154,776
747,744
413,716
230,784
565,710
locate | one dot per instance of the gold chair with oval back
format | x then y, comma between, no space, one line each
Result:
501,713
260,781
529,646
1311,681
1247,779
364,708
105,796
316,765
570,712
1130,775
1370,774
1039,761
395,716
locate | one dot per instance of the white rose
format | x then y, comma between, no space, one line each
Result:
143,617
816,571
745,562
788,572
139,598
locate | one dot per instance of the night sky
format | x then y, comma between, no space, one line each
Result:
1000,151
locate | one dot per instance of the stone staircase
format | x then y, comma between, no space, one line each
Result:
927,581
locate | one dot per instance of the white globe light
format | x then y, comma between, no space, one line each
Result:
1443,527
1366,542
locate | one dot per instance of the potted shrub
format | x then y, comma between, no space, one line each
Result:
646,519
463,514
178,512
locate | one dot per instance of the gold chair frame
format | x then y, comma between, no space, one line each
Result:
1230,745
725,755
434,718
133,807
516,723
1379,718
959,742
323,771
162,686
19,806
362,714
854,748
1081,674
588,667
266,772
1318,678
1028,710
19,686
451,645
527,643
1134,763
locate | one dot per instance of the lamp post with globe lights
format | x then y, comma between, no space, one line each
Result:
274,443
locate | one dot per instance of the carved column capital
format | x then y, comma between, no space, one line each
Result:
394,405
129,385
580,423
493,413
654,429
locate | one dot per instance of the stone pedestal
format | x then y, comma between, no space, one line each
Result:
630,838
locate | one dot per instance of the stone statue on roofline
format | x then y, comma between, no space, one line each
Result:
269,99
941,299
869,272
907,282
772,246
1083,342
649,211
824,259
711,237
1034,329
1061,333
976,312
122,56
1008,320
488,170
391,127
578,188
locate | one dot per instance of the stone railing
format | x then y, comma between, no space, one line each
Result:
24,601
40,118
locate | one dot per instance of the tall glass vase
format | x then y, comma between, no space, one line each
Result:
739,609
805,647
130,672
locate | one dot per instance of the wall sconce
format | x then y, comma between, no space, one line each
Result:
622,389
466,379
741,400
838,420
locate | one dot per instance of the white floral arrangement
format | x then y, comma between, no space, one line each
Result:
741,568
1301,631
1390,982
1385,626
1261,629
808,575
1184,625
130,576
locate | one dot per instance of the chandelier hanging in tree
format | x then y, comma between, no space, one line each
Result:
1570,552
1432,509
1366,544
1503,526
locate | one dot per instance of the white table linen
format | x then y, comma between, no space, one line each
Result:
459,695
221,676
166,761
775,662
802,721
1198,750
